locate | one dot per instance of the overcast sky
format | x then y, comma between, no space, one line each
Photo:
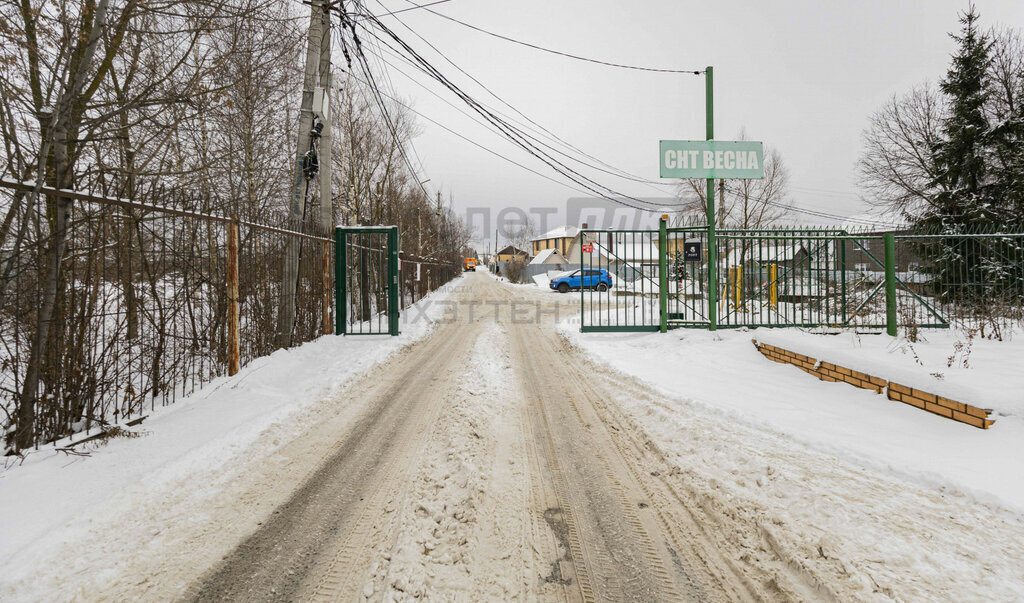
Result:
802,76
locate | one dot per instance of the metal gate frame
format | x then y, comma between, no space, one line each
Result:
696,299
343,244
621,253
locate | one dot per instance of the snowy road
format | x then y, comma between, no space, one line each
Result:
486,465
494,460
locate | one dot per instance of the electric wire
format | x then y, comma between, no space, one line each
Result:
473,142
816,213
413,7
539,127
625,175
374,88
516,136
557,52
393,95
526,141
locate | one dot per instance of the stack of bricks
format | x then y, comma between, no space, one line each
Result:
826,371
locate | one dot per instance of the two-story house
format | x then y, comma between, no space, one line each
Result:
560,239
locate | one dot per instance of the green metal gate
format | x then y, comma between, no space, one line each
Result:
630,258
366,280
782,278
817,277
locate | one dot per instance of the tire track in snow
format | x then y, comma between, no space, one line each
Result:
455,533
291,550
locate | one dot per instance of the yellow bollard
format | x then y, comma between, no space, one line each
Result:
773,287
739,285
734,289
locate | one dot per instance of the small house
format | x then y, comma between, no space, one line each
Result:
550,256
510,253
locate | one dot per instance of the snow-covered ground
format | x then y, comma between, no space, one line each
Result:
839,487
723,372
51,498
452,534
948,362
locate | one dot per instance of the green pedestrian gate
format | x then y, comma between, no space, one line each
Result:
366,280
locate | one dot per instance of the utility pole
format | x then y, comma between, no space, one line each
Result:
419,244
297,206
709,193
326,199
440,224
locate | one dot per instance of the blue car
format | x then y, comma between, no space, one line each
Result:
585,278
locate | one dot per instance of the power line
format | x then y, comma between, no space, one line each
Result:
557,52
375,89
796,208
515,135
391,88
527,142
414,7
477,144
616,173
473,142
552,136
822,214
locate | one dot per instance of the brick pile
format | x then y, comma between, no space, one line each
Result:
826,371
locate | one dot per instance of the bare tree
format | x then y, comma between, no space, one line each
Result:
746,203
1006,73
760,202
521,232
92,86
183,103
896,168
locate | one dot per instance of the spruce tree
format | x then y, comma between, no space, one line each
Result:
961,158
1002,265
1007,144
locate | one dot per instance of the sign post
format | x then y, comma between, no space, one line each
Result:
663,272
712,160
709,194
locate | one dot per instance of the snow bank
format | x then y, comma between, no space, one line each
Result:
725,372
50,498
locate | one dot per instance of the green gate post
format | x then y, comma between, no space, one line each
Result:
710,193
340,274
663,271
393,280
583,317
890,283
842,272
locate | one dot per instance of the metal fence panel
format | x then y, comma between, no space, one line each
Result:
143,305
799,277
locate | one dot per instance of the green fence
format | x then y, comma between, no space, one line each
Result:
809,277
